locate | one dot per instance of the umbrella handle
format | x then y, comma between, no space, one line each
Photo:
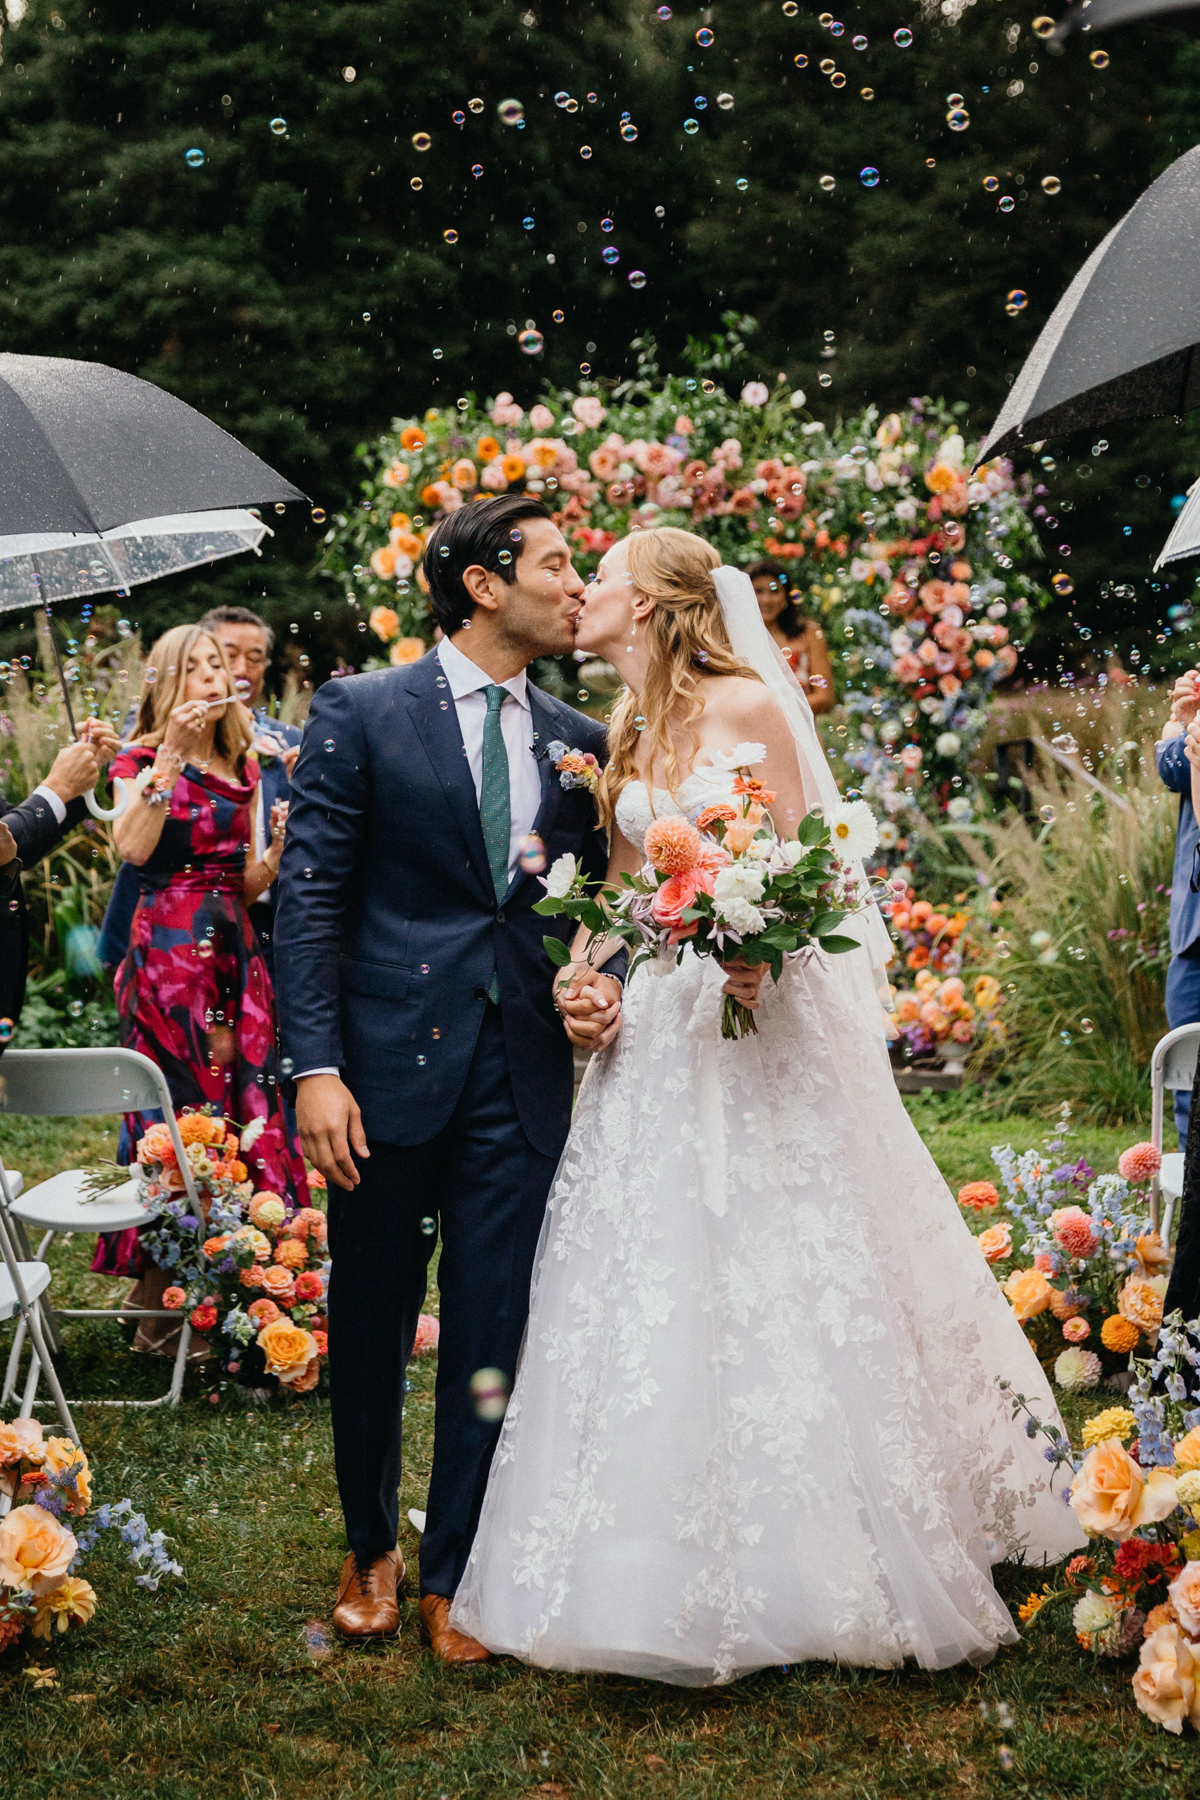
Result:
120,796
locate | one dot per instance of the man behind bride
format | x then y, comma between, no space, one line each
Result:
434,1074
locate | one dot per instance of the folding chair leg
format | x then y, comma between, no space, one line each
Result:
13,1370
176,1389
41,1355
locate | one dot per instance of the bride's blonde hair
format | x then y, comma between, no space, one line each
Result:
687,640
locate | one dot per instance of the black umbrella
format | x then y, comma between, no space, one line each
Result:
1098,15
106,481
1121,342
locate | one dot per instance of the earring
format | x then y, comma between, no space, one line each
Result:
632,635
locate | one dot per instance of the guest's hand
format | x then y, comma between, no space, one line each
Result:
288,758
8,845
186,726
744,982
100,735
1185,698
589,1004
279,813
74,771
330,1127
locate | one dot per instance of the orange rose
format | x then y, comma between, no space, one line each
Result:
1112,1496
278,1284
406,650
383,563
157,1147
289,1351
412,438
1140,1304
35,1550
215,1245
384,622
464,474
409,544
430,496
996,1242
978,1195
396,475
1028,1293
21,1442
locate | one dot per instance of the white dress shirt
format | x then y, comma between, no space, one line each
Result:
465,683
57,806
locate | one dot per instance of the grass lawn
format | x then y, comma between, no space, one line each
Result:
214,1687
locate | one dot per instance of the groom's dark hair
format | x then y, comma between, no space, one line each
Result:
479,532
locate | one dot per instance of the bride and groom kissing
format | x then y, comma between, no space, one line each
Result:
754,1352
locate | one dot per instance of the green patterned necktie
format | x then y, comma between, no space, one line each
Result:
495,808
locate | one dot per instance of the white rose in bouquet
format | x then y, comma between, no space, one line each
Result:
740,881
561,877
741,917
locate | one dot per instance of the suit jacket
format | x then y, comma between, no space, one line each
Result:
388,932
122,902
1176,772
36,830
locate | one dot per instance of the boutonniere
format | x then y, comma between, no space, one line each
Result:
576,768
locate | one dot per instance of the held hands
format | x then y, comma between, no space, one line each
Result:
330,1127
589,1005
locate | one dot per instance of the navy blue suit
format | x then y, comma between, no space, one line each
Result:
1183,972
388,935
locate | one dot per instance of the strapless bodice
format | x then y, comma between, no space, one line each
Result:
636,811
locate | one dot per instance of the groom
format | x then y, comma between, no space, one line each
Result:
434,1074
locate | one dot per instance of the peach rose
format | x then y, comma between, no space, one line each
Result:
279,1284
1184,1593
996,1242
1165,1684
1187,1450
21,1442
35,1550
675,895
1140,1304
289,1352
1028,1293
157,1147
1112,1496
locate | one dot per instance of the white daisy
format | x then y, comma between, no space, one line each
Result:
853,829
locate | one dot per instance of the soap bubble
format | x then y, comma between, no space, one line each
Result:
428,1227
790,8
489,1391
585,150
629,132
528,224
475,106
639,723
477,170
558,317
511,112
1006,203
422,140
903,37
437,355
1065,1037
194,158
704,37
991,183
451,236
955,100
827,183
869,177
1062,584
610,254
741,184
1066,743
866,93
958,118
858,43
6,1030
318,515
700,103
531,343
1087,1027
458,118
825,380
801,62
532,856
1043,26
606,224
725,102
691,126
836,29
349,72
1048,815
664,13
561,98
278,126
827,65
838,80
1018,299
636,278
75,1008
1099,59
1051,184
416,184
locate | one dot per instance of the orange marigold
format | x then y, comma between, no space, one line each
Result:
412,438
673,846
709,815
750,784
198,1128
978,1195
513,467
1119,1334
487,449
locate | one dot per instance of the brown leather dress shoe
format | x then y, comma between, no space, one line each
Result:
450,1645
367,1606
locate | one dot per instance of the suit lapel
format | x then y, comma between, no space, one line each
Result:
441,739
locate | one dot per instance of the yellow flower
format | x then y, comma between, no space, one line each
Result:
1028,1293
940,479
72,1603
288,1350
1114,1422
487,449
1118,1334
1033,1604
63,1457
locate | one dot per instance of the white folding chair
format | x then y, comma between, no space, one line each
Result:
1173,1065
76,1083
21,1287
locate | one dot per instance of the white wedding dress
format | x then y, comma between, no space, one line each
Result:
757,1417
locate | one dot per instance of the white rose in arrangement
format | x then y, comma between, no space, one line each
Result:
561,876
740,881
948,744
853,829
741,917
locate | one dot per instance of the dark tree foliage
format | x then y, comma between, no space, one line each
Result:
315,276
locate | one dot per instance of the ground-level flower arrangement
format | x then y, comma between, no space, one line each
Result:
49,1529
947,1010
1077,1257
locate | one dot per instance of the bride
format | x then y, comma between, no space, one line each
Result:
757,1417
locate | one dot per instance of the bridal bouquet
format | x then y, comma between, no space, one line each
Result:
724,882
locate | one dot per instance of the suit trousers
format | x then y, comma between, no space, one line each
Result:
482,1188
1183,1008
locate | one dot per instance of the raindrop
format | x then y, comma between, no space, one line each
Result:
1051,184
530,342
422,140
636,278
278,126
704,37
512,112
903,37
869,177
194,159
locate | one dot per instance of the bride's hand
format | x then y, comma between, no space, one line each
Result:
589,1004
744,982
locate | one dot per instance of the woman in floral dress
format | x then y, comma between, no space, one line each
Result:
193,992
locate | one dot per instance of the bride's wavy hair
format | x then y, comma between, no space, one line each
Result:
687,641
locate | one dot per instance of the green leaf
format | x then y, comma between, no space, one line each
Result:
549,907
838,946
558,952
826,922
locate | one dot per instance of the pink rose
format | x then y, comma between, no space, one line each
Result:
755,393
588,411
675,896
604,462
906,667
504,412
540,417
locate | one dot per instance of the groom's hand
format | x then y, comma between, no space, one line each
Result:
590,1006
330,1126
